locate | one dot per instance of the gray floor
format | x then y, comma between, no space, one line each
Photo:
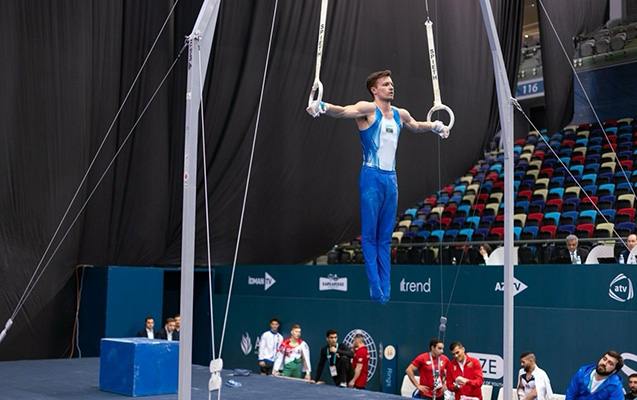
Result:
78,379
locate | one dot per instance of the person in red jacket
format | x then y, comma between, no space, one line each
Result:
464,373
431,369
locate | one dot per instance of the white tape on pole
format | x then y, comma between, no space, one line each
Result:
317,85
438,105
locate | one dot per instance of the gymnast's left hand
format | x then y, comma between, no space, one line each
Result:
440,129
316,108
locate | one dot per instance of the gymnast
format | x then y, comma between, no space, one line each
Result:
379,124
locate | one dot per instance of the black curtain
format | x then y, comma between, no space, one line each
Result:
570,18
67,67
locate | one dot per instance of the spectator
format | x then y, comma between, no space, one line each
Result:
268,345
339,357
485,251
464,373
177,319
431,367
147,332
628,258
168,331
360,363
533,382
572,253
632,387
598,382
293,356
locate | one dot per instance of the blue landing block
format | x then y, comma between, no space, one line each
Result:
139,366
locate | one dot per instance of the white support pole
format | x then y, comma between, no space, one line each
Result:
506,121
199,46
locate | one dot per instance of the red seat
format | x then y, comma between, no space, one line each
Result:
519,142
534,219
590,199
546,172
477,209
557,202
627,211
497,231
482,198
549,228
444,223
526,194
577,159
627,164
568,142
584,230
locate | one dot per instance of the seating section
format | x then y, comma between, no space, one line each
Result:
549,203
581,180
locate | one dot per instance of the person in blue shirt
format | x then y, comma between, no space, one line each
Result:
379,124
598,382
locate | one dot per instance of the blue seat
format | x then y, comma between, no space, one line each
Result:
577,170
555,216
573,200
594,141
592,158
460,188
582,141
590,189
592,177
424,234
591,214
626,225
529,232
609,213
436,236
467,233
559,191
450,235
558,180
566,160
484,232
566,228
591,168
524,206
608,186
516,232
475,221
465,207
568,218
412,212
611,130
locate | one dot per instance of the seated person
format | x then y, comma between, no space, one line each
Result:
572,254
339,357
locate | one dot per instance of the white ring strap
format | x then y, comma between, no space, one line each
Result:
317,85
438,106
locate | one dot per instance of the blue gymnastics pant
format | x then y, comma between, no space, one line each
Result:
379,199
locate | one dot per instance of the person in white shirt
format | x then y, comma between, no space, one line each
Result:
168,332
148,331
533,382
268,346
